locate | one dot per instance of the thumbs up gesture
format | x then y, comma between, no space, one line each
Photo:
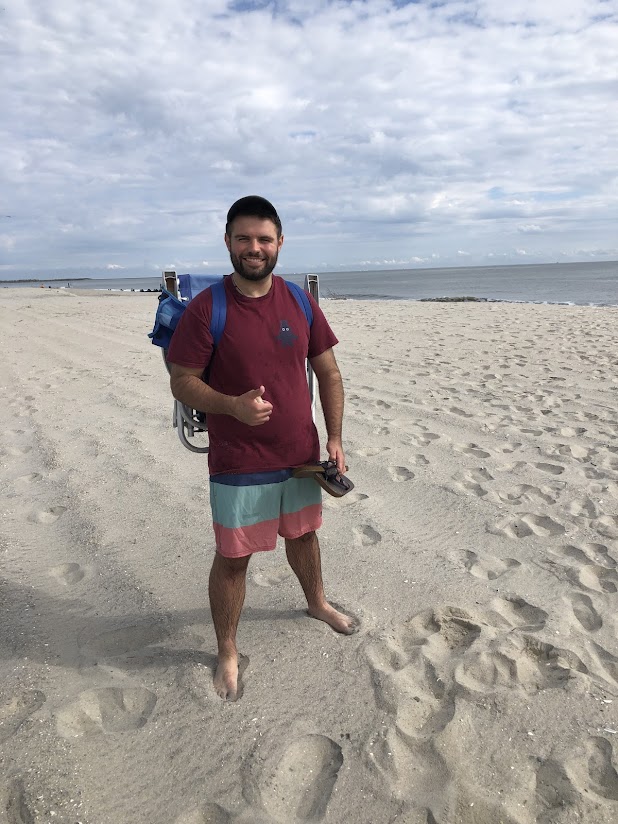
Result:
251,408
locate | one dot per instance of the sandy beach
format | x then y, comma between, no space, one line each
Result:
478,550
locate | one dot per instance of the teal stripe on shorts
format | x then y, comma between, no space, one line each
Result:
299,493
237,506
234,507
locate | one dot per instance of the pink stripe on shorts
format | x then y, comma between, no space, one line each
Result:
250,511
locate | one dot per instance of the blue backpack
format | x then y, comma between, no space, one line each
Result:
171,309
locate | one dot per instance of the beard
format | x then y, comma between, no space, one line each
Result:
254,273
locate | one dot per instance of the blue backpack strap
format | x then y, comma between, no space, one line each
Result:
219,307
302,300
219,311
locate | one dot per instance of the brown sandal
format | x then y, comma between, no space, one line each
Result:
327,475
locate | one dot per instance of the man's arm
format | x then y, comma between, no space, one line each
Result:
188,387
331,395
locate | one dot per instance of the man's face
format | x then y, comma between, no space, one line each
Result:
254,247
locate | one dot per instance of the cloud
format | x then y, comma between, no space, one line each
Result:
382,131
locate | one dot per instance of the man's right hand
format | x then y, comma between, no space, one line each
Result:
251,409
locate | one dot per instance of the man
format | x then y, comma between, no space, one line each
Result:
259,422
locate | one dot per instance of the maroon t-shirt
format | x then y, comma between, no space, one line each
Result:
265,343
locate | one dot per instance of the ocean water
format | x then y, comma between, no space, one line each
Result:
575,283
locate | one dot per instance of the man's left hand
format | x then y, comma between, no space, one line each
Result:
335,453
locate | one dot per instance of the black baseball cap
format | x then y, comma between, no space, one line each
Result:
253,206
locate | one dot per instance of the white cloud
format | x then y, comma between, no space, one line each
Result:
381,131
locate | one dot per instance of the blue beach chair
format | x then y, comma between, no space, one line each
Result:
177,291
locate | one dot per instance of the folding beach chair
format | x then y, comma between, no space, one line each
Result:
184,288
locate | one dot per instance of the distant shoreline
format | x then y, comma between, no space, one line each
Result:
46,280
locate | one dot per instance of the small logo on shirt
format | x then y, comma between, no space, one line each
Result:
286,337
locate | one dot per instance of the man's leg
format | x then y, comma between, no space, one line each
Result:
304,558
226,588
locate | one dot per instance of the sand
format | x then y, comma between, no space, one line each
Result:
478,550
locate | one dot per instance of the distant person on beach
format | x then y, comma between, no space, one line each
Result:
259,423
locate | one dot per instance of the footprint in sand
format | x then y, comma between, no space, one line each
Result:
572,431
346,500
381,430
581,454
15,804
600,767
526,493
488,568
470,487
26,480
585,612
439,657
583,508
400,473
301,783
419,441
47,516
411,680
508,450
205,814
471,449
106,710
366,535
526,525
589,553
606,525
552,469
602,489
455,410
20,706
415,695
593,474
371,452
15,451
272,577
67,574
597,578
470,482
442,632
518,614
519,661
480,474
397,759
554,790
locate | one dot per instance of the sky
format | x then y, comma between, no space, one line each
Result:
387,133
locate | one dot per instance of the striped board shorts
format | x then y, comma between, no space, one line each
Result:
250,511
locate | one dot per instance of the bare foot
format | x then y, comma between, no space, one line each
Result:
226,678
337,620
